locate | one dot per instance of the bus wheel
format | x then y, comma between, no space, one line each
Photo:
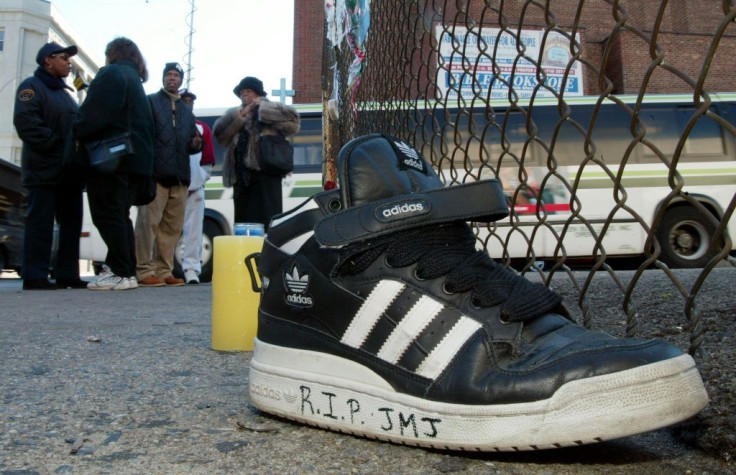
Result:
685,236
210,231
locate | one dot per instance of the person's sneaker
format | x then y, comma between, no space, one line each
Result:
191,277
152,281
107,280
173,281
379,317
126,283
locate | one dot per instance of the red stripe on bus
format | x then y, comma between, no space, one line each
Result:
550,208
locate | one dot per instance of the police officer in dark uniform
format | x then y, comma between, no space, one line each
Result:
43,115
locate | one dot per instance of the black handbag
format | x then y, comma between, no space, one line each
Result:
105,155
277,155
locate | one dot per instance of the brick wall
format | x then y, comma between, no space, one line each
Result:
685,34
309,25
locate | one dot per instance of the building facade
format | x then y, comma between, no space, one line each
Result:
619,46
25,26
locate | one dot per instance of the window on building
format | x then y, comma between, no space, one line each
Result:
2,39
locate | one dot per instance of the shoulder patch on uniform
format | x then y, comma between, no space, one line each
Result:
26,94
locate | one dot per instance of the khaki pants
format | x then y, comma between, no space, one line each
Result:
157,230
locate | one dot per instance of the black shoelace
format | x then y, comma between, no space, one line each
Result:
449,250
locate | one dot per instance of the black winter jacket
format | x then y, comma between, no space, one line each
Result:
115,92
174,130
43,116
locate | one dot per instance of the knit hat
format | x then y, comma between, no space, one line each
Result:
252,83
53,48
174,66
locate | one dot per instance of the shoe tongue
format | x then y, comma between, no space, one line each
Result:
375,167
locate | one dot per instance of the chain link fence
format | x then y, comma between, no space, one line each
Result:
605,122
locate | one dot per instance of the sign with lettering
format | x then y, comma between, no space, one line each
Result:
472,62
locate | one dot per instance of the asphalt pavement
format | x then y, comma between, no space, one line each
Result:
127,382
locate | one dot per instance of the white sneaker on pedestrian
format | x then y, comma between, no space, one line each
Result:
126,283
107,280
191,277
105,270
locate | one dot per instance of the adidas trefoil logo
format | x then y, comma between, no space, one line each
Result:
296,285
289,395
411,157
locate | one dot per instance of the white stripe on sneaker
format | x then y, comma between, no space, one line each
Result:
445,351
370,312
409,328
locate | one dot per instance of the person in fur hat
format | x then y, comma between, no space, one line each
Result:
256,192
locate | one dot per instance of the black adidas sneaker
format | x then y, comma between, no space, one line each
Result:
380,318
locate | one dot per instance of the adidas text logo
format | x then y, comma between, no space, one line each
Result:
299,300
296,285
272,393
404,210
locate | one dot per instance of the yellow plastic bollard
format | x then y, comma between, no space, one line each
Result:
234,303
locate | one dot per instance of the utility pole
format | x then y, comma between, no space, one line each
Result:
189,42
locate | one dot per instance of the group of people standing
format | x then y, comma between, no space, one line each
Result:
172,152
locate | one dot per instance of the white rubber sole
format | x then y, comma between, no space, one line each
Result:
334,393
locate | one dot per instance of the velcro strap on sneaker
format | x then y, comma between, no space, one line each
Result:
482,201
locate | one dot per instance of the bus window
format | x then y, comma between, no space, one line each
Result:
661,129
308,143
307,151
705,139
612,134
568,140
665,127
513,126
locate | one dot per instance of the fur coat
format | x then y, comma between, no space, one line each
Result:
266,118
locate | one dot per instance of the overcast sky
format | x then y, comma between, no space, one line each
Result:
232,39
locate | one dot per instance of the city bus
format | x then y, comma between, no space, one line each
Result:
570,224
589,177
588,173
